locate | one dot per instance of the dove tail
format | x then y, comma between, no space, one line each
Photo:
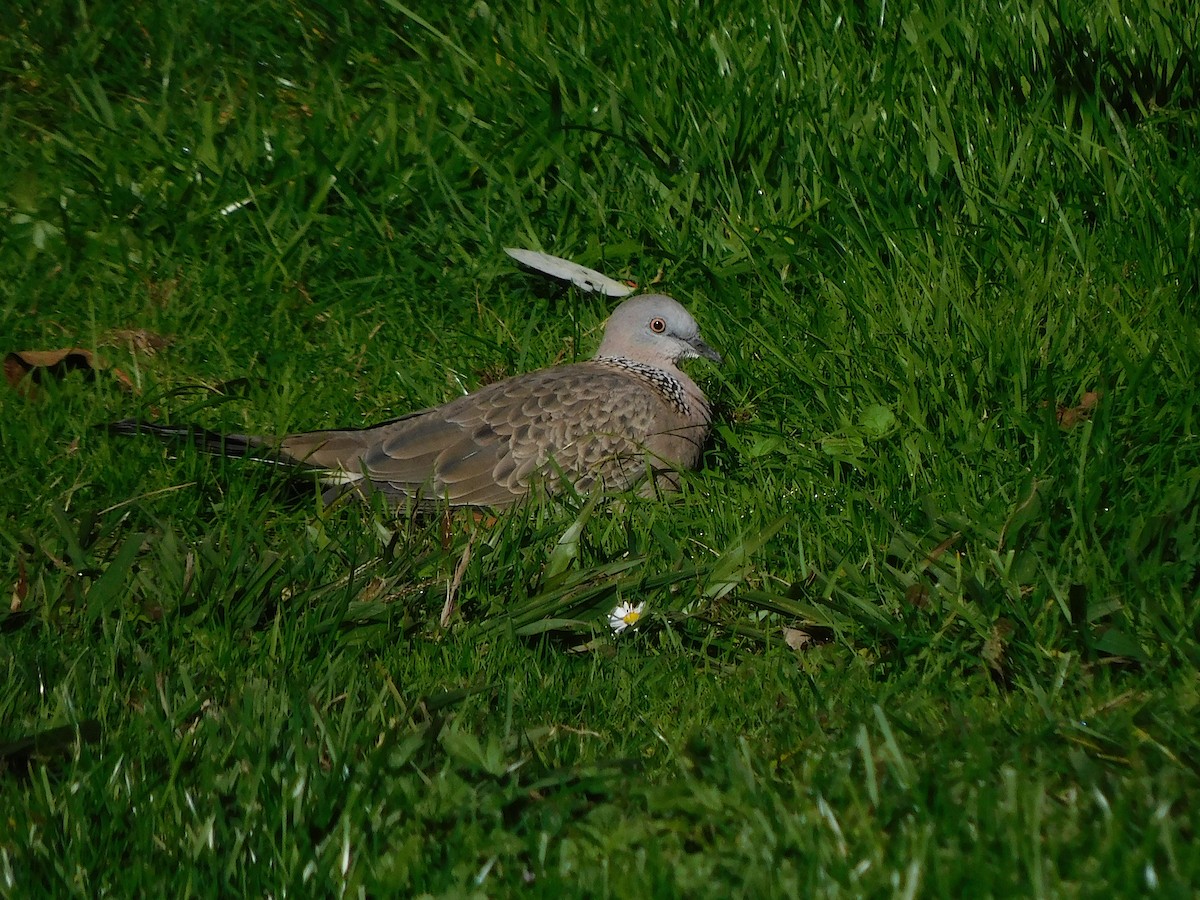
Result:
209,441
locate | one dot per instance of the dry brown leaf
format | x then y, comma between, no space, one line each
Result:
996,644
24,369
20,363
1070,416
917,594
941,548
797,638
139,339
491,374
161,291
373,590
21,588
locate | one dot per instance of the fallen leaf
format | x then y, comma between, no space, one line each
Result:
797,638
936,553
52,742
1070,416
996,644
139,339
876,420
24,369
20,363
492,373
21,588
582,277
917,594
161,291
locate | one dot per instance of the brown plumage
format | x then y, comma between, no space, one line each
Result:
603,423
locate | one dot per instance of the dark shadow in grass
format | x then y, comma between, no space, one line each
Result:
14,621
19,756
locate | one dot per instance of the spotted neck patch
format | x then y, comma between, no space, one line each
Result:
670,388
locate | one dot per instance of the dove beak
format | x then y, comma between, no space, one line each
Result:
702,349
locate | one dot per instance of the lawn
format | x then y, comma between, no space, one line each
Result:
926,620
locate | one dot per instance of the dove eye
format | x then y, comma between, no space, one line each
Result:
657,325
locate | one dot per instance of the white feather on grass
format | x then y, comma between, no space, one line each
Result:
581,276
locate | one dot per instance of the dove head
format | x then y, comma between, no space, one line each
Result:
655,330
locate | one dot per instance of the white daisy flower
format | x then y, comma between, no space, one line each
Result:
625,615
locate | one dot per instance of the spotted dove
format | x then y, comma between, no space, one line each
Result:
605,423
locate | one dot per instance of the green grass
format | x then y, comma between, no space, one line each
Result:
914,234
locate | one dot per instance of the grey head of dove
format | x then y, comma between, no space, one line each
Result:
654,330
627,415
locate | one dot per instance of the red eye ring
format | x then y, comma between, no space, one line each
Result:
657,325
